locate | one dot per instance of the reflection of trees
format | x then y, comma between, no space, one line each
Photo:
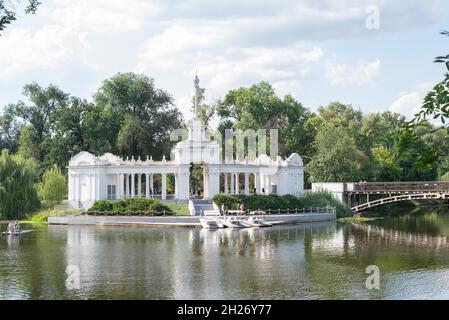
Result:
426,220
341,261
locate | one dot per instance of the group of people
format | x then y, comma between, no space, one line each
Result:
13,227
362,184
240,207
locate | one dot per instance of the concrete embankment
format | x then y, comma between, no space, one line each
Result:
182,221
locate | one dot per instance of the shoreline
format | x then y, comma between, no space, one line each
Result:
182,221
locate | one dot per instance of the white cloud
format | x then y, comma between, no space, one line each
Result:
409,103
361,74
103,15
48,48
223,63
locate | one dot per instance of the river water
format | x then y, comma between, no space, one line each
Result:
306,261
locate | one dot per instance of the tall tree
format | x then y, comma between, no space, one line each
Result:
258,107
17,192
337,159
8,10
9,130
136,116
40,117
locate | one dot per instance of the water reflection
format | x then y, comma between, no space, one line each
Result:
323,260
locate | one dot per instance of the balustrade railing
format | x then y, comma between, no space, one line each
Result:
392,187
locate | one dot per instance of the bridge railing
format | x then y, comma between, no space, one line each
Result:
399,187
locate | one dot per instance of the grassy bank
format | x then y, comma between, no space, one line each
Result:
42,215
179,209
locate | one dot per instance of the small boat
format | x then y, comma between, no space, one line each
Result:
256,222
5,233
234,223
213,223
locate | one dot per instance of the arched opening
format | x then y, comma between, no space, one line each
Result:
196,180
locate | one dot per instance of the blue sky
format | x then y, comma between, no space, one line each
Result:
319,51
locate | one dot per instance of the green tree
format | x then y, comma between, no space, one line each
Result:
8,10
385,166
436,102
17,192
134,117
53,187
40,116
9,130
344,115
337,159
258,107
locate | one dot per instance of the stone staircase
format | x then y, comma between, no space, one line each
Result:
198,206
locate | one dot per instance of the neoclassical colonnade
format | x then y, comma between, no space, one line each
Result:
262,184
126,183
139,185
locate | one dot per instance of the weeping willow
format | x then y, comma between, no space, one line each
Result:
17,192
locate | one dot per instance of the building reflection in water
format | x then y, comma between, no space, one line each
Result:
187,263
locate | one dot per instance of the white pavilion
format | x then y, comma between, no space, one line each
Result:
92,178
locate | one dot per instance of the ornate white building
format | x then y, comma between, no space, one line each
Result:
92,178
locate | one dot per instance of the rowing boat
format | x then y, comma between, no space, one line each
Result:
5,233
233,222
255,223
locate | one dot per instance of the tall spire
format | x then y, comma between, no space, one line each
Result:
197,88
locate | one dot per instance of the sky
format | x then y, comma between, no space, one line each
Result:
375,55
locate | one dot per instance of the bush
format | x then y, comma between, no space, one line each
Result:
130,207
102,206
274,202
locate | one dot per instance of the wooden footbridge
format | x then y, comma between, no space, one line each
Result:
359,196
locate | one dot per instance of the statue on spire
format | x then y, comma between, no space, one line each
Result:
197,90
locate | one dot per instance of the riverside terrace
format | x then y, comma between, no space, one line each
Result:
274,217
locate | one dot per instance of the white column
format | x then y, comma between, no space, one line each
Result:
237,186
147,185
232,183
117,186
79,190
128,186
183,182
71,194
268,184
257,182
139,185
133,185
121,185
152,185
247,183
205,184
164,186
213,182
225,189
176,186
